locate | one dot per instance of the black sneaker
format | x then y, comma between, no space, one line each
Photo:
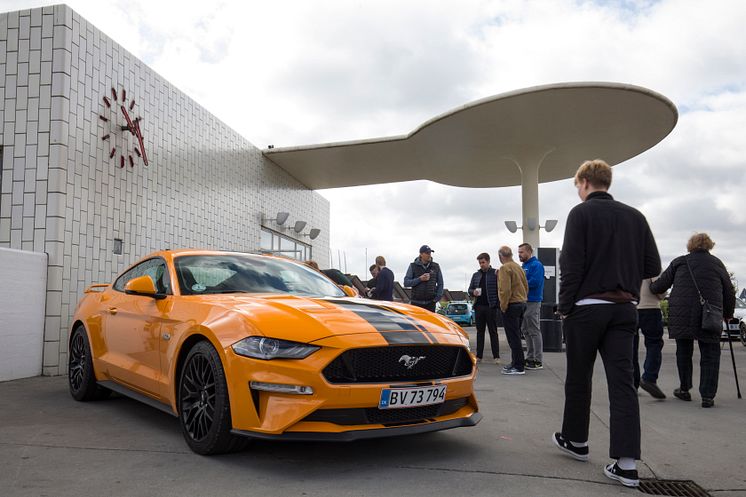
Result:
682,394
707,402
513,371
627,477
651,388
533,365
579,453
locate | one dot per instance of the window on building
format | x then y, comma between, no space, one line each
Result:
279,244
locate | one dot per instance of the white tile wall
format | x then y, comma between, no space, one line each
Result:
206,186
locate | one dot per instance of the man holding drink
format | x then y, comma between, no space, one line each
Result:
483,288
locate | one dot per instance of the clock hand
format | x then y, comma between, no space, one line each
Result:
130,126
138,134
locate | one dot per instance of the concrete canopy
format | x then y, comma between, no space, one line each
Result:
522,137
481,143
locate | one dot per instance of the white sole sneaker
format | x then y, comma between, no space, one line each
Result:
627,482
569,452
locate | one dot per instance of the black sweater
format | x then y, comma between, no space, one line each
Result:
608,247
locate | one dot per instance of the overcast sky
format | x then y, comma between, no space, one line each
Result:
302,72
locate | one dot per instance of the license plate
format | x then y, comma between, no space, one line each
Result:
395,398
733,326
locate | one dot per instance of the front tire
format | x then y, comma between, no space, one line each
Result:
80,375
743,333
204,407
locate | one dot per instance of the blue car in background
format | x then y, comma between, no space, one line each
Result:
460,312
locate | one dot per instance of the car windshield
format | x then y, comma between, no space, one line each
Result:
237,273
740,304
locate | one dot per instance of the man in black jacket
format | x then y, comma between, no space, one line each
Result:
607,251
384,289
483,288
425,280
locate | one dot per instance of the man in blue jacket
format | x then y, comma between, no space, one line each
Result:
483,288
531,330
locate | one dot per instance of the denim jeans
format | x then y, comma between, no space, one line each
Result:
650,322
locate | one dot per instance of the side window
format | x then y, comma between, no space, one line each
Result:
155,268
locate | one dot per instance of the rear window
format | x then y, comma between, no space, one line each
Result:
457,308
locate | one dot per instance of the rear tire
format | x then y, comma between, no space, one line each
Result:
80,375
743,333
204,407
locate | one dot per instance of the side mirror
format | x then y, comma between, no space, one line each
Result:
143,285
349,291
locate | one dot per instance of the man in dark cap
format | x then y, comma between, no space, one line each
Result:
425,279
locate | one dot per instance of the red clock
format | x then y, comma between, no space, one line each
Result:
122,133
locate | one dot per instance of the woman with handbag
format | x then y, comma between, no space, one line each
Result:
702,296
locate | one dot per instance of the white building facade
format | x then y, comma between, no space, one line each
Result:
74,181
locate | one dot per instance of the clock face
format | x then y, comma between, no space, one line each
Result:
122,135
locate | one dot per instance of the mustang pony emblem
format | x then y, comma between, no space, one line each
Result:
410,361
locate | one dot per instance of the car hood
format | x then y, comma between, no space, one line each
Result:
307,319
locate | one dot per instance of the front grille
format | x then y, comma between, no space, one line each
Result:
388,364
372,415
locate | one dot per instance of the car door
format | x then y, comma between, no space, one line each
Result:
132,330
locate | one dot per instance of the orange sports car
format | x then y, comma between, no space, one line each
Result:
240,346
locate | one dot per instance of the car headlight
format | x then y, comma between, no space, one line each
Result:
272,348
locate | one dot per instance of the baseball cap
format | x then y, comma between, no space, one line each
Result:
426,249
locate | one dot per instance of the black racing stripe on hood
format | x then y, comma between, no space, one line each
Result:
424,330
386,320
405,338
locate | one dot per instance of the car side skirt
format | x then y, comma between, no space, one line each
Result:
349,436
121,389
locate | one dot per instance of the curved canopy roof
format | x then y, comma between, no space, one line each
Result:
481,143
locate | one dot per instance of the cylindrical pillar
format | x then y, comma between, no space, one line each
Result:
530,202
529,164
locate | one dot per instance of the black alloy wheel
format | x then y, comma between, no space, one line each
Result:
80,374
198,397
204,408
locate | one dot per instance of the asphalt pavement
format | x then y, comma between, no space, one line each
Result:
51,445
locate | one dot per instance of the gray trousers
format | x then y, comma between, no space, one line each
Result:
531,332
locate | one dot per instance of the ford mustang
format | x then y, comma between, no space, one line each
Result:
240,346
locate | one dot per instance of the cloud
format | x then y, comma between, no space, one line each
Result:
295,72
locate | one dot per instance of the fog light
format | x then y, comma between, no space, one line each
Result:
281,388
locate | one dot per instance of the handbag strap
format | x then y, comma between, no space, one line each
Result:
701,299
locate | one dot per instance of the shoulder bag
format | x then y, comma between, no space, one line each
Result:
712,315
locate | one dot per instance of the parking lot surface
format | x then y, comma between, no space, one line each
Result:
51,445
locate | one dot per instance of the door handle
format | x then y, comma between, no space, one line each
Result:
112,310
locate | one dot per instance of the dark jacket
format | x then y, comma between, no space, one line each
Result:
684,309
535,277
424,292
384,289
490,284
608,247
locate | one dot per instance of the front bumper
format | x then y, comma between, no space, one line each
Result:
280,415
352,435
